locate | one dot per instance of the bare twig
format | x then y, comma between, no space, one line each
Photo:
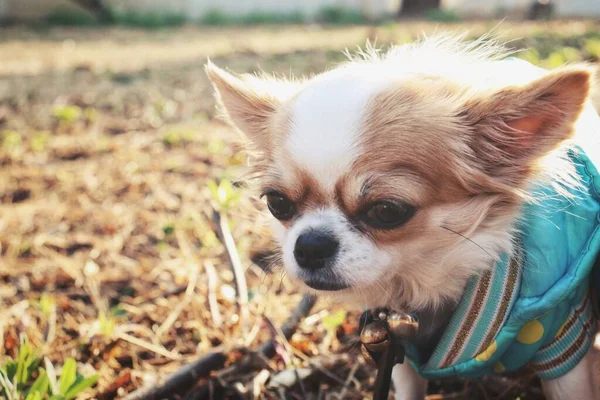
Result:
291,323
148,346
187,376
213,304
182,380
344,391
319,367
282,347
187,298
258,383
159,295
224,233
51,327
286,352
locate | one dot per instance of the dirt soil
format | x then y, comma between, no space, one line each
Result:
108,250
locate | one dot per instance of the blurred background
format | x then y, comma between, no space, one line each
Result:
128,245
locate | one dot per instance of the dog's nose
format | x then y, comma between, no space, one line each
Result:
314,249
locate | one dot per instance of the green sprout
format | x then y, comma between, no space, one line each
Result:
67,114
10,139
176,136
224,194
47,304
40,140
333,321
106,324
22,378
168,229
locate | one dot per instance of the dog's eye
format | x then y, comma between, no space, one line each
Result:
280,206
388,214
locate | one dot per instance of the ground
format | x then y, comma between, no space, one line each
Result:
108,244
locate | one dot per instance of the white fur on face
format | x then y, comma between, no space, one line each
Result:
326,120
417,274
324,139
359,261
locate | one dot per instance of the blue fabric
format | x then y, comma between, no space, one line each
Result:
550,322
561,241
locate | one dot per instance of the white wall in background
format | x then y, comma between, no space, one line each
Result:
485,8
194,9
3,8
578,8
492,8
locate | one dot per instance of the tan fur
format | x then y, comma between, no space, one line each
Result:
253,105
460,149
452,134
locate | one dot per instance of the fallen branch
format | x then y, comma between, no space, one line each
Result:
182,380
351,374
222,223
148,346
291,323
187,376
213,304
187,298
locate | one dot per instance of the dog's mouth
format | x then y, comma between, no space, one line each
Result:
325,283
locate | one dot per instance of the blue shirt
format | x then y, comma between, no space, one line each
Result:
534,306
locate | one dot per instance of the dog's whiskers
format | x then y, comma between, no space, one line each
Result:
470,240
283,273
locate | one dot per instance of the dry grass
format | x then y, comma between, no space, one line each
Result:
108,142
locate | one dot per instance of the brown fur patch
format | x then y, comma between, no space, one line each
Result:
253,105
516,126
432,142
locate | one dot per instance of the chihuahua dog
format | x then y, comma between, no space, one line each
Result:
444,180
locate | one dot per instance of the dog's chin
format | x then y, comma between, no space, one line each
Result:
323,282
325,285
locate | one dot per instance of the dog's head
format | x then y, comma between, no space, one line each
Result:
394,179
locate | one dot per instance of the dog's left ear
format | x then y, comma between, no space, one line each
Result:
249,102
516,126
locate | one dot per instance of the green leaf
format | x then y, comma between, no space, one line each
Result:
22,356
10,139
26,363
68,375
47,304
67,113
80,385
41,384
7,388
225,194
168,229
107,324
117,311
212,186
11,369
34,395
51,375
332,321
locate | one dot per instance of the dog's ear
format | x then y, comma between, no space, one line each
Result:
248,102
516,126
